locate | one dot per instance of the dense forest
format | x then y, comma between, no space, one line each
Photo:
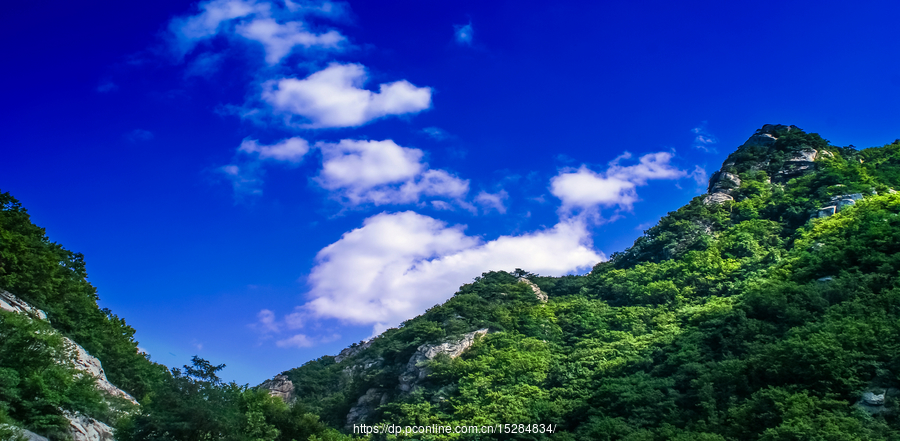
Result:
768,308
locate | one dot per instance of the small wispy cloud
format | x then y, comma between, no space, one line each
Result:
704,140
107,86
435,133
139,135
493,201
464,34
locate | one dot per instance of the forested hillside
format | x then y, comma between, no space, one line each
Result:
768,308
43,391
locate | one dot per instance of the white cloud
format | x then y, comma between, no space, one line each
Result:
334,97
256,21
464,34
289,150
279,39
496,201
403,263
361,165
382,172
704,140
267,321
190,30
297,341
586,189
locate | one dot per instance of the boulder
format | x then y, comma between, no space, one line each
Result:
838,203
84,428
282,387
826,211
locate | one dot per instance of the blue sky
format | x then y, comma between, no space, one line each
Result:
262,183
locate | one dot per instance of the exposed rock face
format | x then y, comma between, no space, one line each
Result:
282,387
11,303
838,203
415,372
351,351
83,361
717,198
84,428
90,364
723,182
800,163
81,427
541,296
873,401
366,405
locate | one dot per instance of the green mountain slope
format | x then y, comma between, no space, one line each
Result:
768,308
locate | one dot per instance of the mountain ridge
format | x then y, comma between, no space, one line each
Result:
711,257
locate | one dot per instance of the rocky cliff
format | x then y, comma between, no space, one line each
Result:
81,427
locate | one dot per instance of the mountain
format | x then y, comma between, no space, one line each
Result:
767,308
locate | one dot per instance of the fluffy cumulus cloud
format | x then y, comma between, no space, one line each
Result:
382,172
586,189
404,263
334,97
278,29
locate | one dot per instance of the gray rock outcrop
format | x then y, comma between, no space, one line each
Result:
541,296
717,198
873,401
11,303
351,351
415,371
366,405
88,363
84,361
837,203
282,387
84,428
81,427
